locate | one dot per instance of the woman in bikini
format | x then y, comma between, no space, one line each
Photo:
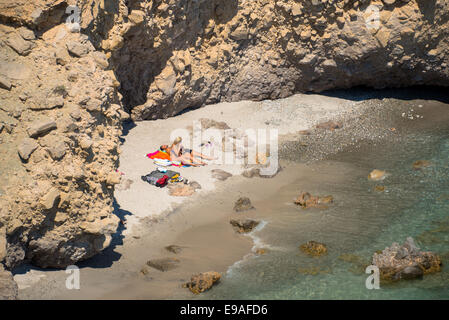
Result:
177,152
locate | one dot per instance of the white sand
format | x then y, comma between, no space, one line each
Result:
299,112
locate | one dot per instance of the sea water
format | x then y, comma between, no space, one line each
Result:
361,221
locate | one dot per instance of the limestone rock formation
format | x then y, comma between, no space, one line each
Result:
314,248
405,262
178,54
202,282
55,201
64,90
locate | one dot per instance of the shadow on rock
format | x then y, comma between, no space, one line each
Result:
108,256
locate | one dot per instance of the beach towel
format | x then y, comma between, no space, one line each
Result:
163,159
159,155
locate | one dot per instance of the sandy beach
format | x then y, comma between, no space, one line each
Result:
199,224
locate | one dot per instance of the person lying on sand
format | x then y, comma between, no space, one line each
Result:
186,156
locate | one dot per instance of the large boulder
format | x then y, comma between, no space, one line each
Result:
405,261
202,282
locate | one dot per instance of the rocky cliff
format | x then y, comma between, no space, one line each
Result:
64,94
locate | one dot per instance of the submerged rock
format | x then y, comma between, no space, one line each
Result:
244,226
243,204
202,282
377,175
358,263
173,249
306,200
402,262
379,188
164,264
421,164
313,271
314,248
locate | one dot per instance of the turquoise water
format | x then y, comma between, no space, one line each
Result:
415,203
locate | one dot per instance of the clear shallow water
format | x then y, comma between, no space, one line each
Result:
415,203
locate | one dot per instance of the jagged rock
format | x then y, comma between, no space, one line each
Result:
48,103
5,82
41,127
166,81
136,17
57,149
26,148
306,200
85,143
49,200
202,282
314,248
243,204
220,174
377,175
405,262
77,49
244,226
8,287
101,59
26,33
164,264
113,178
21,46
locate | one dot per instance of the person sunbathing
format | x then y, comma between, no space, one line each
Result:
177,152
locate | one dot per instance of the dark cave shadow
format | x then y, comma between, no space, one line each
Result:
427,8
127,126
409,93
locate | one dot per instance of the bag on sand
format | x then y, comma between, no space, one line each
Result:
153,177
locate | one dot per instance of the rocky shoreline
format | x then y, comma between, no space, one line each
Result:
65,91
174,219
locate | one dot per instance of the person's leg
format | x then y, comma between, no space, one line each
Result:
186,159
194,160
200,155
